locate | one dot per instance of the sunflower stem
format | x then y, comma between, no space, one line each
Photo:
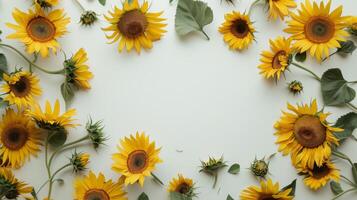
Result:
215,179
353,107
349,181
307,70
80,5
204,33
342,193
342,156
252,5
61,71
323,60
156,178
51,179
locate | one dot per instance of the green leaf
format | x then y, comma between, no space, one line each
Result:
3,65
301,57
354,172
34,195
229,197
349,123
192,16
291,186
334,88
102,2
57,138
335,188
143,196
178,196
67,90
234,169
347,47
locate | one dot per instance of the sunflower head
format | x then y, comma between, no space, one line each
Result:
306,135
237,30
212,165
95,133
133,26
88,18
316,30
276,61
19,138
318,176
11,187
295,87
77,71
92,187
39,30
46,3
267,191
280,8
259,168
136,159
352,25
52,120
21,88
79,161
183,186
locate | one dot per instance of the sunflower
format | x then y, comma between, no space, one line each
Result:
79,161
136,159
306,135
77,72
52,120
19,138
46,3
38,30
276,61
317,177
21,88
182,185
96,187
317,30
267,191
13,187
237,30
280,8
134,26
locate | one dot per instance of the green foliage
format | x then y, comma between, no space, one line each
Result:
67,90
102,2
143,196
179,196
336,188
229,197
291,186
354,173
335,89
3,65
301,57
347,47
57,137
349,123
234,169
192,16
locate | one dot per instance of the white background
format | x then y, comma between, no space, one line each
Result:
188,94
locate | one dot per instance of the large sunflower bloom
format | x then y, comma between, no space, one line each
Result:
14,187
52,119
276,61
77,71
267,190
19,138
136,159
134,27
96,187
280,8
21,88
317,30
237,30
39,30
306,135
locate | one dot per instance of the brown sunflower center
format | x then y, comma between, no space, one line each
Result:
309,131
41,29
240,28
137,161
276,64
96,194
21,88
267,197
183,188
15,137
320,172
132,24
319,29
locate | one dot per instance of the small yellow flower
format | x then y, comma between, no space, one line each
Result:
79,161
267,190
13,187
182,185
295,87
46,3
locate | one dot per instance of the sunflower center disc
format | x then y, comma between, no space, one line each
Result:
267,198
183,188
132,24
96,194
137,161
12,194
276,62
14,138
240,28
319,29
309,131
320,172
41,29
21,88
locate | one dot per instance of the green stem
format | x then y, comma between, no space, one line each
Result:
252,5
348,181
61,71
342,193
352,106
342,156
80,5
41,187
204,33
51,179
157,178
46,158
215,179
323,60
352,82
307,70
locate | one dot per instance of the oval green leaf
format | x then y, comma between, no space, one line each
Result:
234,169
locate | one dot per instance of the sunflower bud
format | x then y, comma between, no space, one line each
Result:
295,87
79,161
212,166
95,133
88,18
259,168
46,3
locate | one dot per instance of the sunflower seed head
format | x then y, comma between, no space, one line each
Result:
88,18
295,87
259,168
